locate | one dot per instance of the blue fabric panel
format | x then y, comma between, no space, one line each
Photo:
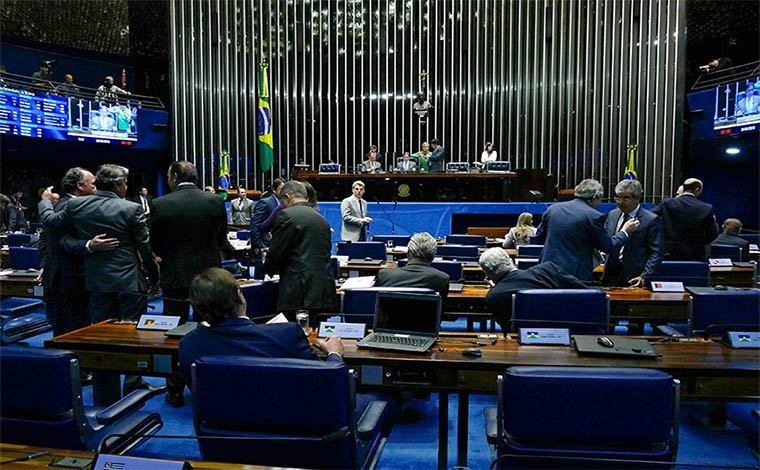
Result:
691,273
26,375
398,240
478,240
582,405
261,299
576,305
18,239
732,307
529,251
21,257
464,251
361,250
17,305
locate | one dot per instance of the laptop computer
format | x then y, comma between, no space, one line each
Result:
404,322
366,261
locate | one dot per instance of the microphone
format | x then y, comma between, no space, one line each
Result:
390,219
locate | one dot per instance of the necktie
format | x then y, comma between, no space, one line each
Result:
361,209
144,204
624,219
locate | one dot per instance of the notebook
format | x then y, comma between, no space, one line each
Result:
404,322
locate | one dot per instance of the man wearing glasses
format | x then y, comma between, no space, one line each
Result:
635,262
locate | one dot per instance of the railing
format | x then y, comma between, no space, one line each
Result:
733,74
76,91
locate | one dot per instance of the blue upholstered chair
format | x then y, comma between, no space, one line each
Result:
292,412
526,263
359,304
261,300
457,239
734,253
18,239
22,257
458,252
361,250
23,327
691,273
753,238
41,404
584,412
713,313
529,251
35,226
453,268
243,234
398,240
17,306
583,311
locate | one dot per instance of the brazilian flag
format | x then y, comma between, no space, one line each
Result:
224,171
266,145
630,168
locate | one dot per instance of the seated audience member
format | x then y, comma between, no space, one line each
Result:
217,300
108,91
521,234
406,165
507,279
68,87
730,236
417,272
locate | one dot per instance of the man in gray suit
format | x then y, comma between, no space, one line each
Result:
635,262
241,209
354,212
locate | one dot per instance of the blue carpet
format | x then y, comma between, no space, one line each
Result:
413,443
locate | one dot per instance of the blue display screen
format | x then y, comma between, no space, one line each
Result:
38,114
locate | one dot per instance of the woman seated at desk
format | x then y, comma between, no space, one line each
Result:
521,234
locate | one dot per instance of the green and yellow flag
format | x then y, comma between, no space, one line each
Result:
266,144
630,168
224,170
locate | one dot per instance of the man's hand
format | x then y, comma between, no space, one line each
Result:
153,288
631,226
38,279
366,220
101,243
637,282
331,344
48,193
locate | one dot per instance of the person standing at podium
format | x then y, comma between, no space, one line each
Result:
354,212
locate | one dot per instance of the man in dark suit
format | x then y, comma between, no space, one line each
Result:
507,279
637,261
570,231
437,160
261,211
688,224
417,272
300,254
62,268
730,236
145,200
16,215
188,230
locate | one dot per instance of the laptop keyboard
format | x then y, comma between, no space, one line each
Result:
392,339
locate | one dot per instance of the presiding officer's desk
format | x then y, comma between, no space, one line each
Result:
709,371
13,451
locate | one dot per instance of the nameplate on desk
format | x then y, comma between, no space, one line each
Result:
742,339
343,330
721,262
157,322
560,336
120,462
662,286
753,247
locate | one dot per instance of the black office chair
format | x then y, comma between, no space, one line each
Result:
41,405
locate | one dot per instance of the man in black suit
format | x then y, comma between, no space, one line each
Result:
62,268
188,230
145,200
688,224
300,254
417,272
730,236
506,279
437,160
637,261
261,211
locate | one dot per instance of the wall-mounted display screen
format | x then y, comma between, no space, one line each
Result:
737,104
37,114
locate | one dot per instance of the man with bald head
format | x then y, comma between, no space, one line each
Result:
688,224
730,236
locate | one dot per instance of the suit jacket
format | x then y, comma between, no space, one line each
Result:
114,271
368,166
570,232
240,336
352,224
415,274
437,161
263,208
188,229
148,198
241,211
16,217
546,275
642,254
412,166
688,225
62,265
733,240
300,254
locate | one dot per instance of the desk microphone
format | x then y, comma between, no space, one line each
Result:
390,218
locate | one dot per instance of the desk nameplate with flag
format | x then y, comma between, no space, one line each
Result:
558,336
742,339
343,330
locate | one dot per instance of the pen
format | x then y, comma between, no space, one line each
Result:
26,457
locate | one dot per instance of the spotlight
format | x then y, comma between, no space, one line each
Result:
732,151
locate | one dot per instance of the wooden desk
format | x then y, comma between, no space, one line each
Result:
365,270
733,276
12,451
21,287
708,370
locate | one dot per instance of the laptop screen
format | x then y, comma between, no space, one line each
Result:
408,313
